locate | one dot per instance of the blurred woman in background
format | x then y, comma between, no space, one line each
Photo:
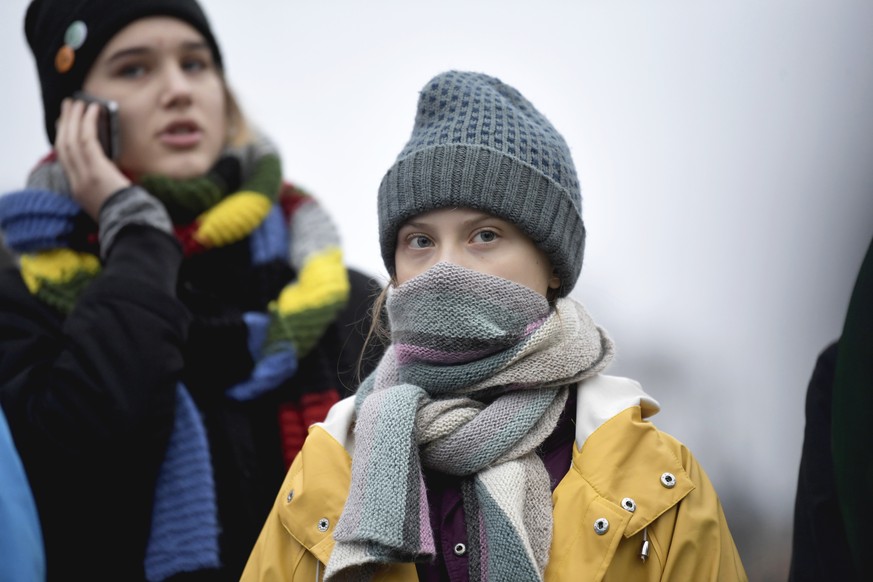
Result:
178,313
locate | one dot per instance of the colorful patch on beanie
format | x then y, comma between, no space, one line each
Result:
74,38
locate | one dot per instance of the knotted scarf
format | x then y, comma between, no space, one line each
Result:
242,196
475,379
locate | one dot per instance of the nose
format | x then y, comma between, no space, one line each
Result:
454,254
177,90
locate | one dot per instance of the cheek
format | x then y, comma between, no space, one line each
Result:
402,271
127,124
407,267
215,106
538,272
218,114
133,140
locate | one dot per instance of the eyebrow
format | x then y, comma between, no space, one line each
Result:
188,46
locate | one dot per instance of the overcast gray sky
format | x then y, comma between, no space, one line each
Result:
725,151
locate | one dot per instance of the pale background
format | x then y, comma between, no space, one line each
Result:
725,151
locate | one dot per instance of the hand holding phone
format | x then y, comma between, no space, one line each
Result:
92,177
107,123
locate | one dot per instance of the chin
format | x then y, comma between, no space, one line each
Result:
182,167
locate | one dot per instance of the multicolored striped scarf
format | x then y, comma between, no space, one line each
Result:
475,379
59,253
243,196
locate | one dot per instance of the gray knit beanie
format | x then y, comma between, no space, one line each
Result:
478,143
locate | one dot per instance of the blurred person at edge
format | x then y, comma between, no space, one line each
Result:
176,316
833,507
21,551
488,445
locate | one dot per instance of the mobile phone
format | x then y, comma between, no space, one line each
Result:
107,123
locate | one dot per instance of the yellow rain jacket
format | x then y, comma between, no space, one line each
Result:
631,490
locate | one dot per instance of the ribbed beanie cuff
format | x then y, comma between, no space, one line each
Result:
483,179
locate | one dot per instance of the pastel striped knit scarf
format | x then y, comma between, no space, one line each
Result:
475,379
59,256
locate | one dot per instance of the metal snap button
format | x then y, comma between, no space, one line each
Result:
668,480
460,549
290,496
601,526
628,504
323,524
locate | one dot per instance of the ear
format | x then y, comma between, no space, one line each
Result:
555,281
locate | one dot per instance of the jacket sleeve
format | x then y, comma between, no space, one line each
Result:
105,374
700,544
275,554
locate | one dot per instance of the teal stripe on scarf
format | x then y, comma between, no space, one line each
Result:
500,531
392,432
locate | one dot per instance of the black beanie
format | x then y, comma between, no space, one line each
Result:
66,37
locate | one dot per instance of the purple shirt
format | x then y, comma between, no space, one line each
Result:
447,508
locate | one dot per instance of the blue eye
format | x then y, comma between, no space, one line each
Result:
419,241
485,236
194,65
132,71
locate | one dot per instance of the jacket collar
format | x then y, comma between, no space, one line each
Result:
612,432
600,398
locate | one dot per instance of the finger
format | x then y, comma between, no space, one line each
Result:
62,124
68,124
66,137
93,177
73,149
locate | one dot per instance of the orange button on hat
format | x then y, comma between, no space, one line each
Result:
65,58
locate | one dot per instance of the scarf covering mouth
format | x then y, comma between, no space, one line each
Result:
242,196
475,379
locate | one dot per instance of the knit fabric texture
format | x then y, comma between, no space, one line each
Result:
58,250
60,254
475,379
184,534
66,37
479,143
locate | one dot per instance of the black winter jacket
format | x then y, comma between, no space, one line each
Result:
90,397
